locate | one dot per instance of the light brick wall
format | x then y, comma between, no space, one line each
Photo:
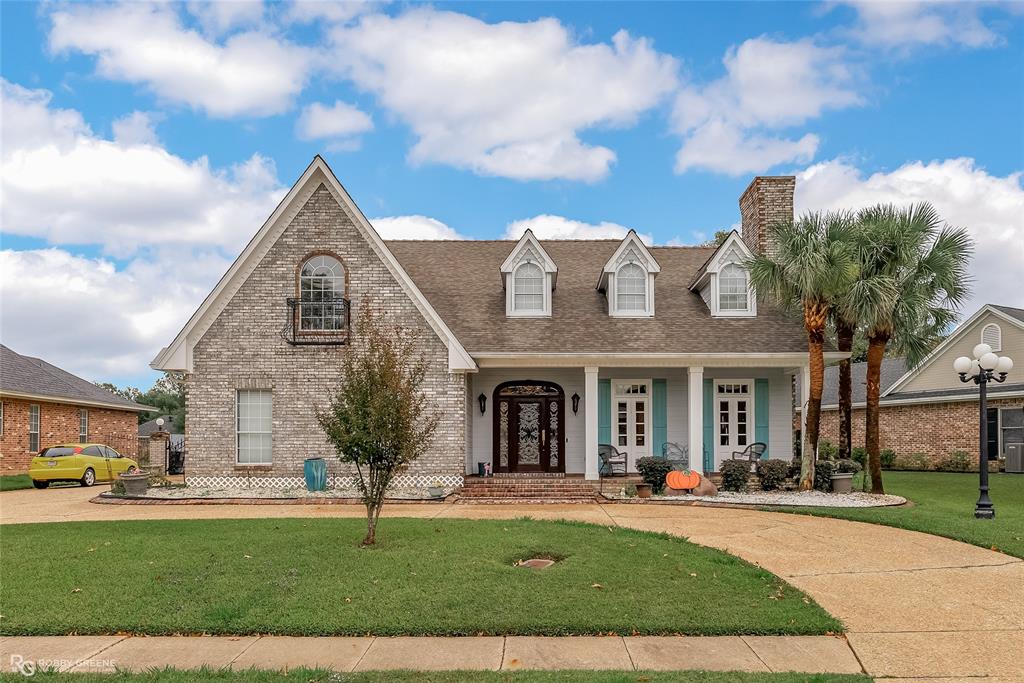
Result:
243,349
767,200
58,423
936,429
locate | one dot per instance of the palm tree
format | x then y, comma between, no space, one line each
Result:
912,280
845,331
811,264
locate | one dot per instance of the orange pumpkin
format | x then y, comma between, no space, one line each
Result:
681,481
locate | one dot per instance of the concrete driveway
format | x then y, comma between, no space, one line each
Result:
914,605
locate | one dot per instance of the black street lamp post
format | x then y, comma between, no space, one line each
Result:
984,368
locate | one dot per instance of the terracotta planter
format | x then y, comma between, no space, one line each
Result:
842,482
643,490
135,484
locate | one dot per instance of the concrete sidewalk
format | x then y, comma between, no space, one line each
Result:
806,654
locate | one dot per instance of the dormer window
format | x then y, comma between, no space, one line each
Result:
627,279
528,276
724,283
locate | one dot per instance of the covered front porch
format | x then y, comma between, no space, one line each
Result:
547,418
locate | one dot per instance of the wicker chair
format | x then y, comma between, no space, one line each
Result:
678,455
613,462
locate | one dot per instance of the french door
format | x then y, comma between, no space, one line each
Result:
631,420
733,418
529,422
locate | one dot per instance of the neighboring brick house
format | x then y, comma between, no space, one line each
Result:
538,350
928,409
42,405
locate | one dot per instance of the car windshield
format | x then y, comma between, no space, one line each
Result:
57,451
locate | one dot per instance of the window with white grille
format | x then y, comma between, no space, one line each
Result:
733,294
33,428
992,335
83,425
631,289
528,289
253,426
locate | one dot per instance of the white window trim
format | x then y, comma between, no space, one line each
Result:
998,346
510,294
83,420
648,419
751,408
613,298
707,284
39,423
1,418
630,250
528,250
238,446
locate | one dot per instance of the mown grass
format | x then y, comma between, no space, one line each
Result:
14,482
324,676
943,504
425,577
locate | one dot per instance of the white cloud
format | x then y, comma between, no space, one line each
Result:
137,128
965,195
339,121
413,228
330,11
507,99
219,16
66,185
251,73
549,227
120,317
726,125
909,24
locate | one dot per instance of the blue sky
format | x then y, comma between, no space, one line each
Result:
144,144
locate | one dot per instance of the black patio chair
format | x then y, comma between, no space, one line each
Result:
751,453
678,456
613,462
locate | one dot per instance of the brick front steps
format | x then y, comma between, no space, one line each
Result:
524,488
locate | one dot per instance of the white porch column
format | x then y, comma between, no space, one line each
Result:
590,413
695,401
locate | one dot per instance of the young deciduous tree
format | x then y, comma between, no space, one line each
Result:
379,420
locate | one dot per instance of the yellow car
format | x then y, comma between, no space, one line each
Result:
82,462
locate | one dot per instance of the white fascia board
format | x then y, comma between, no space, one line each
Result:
528,239
713,360
178,354
958,333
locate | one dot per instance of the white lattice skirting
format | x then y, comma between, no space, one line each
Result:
404,481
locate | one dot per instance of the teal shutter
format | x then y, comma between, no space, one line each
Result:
604,411
761,401
659,415
709,428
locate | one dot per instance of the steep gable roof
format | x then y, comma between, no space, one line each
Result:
34,378
178,354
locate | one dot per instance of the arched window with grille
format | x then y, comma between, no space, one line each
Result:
528,288
992,335
732,289
322,306
631,289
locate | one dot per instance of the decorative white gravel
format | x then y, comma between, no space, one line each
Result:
793,498
178,493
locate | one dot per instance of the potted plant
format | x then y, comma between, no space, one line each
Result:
436,490
842,475
653,471
135,482
643,490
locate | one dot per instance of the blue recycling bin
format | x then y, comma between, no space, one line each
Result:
315,470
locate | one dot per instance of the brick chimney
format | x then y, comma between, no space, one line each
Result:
767,200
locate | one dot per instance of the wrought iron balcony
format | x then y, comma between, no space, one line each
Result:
324,322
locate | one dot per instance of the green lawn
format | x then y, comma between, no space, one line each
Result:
322,676
944,506
13,482
425,577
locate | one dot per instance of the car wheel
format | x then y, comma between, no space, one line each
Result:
132,470
89,478
40,484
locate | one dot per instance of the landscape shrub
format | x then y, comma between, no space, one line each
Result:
914,461
847,466
773,473
653,471
888,458
823,475
735,474
827,451
957,461
860,455
794,468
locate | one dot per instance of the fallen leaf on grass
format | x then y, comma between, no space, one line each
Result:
597,586
76,590
248,557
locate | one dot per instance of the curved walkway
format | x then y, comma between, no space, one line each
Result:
914,605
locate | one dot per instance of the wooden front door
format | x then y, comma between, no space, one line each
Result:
529,420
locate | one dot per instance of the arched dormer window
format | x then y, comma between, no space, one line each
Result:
992,335
528,289
631,289
322,305
733,293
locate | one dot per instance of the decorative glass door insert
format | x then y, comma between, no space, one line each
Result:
528,431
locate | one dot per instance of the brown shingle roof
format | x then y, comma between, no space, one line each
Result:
461,281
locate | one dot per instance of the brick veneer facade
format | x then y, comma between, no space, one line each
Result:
935,429
58,423
766,201
243,349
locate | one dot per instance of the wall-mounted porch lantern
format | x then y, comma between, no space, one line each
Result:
575,403
483,403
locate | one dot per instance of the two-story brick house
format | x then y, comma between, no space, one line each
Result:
539,350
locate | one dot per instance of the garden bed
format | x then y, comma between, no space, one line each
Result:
240,495
816,499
